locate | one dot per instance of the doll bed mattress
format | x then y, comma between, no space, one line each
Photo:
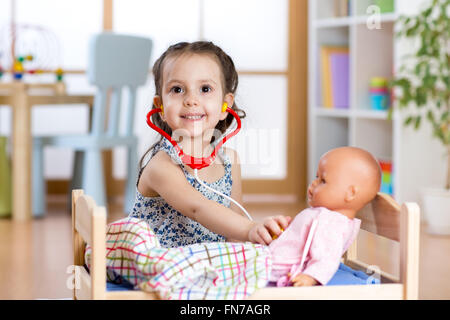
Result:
220,270
343,276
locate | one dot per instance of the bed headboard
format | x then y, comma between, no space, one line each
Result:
88,227
381,216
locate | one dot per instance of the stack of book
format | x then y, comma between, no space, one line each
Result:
341,8
386,177
335,76
379,93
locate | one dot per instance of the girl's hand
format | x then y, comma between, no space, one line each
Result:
262,232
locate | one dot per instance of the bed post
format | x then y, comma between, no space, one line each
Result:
98,268
409,250
78,243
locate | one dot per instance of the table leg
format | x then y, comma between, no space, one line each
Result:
108,171
21,157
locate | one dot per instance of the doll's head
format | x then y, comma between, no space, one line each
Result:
347,179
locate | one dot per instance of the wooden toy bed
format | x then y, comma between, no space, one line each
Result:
383,219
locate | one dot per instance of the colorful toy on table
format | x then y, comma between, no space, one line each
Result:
379,93
1,69
386,177
18,68
59,74
43,44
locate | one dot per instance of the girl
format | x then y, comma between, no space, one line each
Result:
192,82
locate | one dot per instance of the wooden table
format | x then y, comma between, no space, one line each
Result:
21,97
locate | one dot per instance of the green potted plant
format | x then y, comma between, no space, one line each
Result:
421,89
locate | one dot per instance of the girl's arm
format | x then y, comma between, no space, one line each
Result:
271,223
236,190
164,177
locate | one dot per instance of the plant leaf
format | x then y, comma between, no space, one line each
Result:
417,122
408,120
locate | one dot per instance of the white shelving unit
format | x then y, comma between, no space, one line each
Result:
372,54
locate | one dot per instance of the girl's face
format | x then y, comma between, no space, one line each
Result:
192,94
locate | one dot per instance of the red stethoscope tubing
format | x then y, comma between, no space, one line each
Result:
194,162
199,163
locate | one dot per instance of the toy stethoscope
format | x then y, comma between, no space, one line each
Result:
199,163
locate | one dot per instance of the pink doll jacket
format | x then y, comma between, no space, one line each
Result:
334,233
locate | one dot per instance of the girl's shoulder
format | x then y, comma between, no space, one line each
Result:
166,147
157,168
159,161
232,155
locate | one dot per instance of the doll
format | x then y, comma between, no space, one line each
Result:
347,179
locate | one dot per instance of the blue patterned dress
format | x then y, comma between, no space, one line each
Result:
172,228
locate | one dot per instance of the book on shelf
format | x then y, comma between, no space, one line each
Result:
335,76
386,6
341,8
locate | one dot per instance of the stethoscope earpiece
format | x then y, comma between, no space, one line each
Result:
224,107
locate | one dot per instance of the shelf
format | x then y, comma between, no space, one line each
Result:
384,17
352,20
371,114
333,22
347,113
332,112
372,54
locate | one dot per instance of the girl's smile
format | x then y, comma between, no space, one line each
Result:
193,116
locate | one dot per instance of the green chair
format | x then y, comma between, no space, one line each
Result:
5,180
116,62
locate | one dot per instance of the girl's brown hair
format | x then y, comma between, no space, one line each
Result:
229,74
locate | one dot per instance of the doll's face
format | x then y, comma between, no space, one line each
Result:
329,188
347,178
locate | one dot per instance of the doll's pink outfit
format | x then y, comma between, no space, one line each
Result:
333,235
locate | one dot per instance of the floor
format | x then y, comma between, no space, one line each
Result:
36,257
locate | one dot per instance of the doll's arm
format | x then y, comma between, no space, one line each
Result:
325,254
303,280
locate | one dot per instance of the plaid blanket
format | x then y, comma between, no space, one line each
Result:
219,270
